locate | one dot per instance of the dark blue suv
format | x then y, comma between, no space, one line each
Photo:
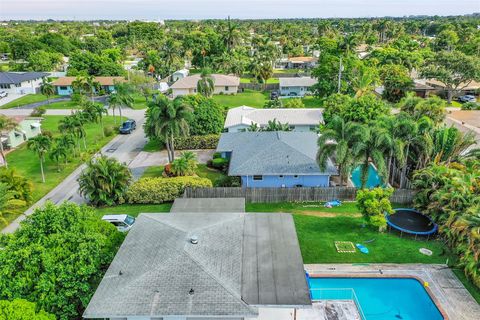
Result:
128,126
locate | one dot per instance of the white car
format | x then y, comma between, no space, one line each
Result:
123,222
3,94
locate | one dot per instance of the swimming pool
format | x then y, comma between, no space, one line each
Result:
380,298
373,179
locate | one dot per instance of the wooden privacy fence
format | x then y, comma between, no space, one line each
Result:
259,195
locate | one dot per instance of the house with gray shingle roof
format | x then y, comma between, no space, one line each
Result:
296,86
275,159
21,82
303,119
214,265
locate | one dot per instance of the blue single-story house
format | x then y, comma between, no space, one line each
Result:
64,87
275,159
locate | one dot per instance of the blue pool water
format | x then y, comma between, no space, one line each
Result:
373,180
381,298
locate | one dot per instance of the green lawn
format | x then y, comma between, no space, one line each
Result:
134,209
202,171
27,163
27,99
248,98
139,102
62,105
269,81
318,228
312,102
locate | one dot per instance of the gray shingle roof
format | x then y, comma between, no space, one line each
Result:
157,266
19,77
297,82
273,153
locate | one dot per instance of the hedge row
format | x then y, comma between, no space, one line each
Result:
197,142
159,190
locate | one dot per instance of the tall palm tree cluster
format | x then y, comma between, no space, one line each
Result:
73,129
167,119
450,194
396,145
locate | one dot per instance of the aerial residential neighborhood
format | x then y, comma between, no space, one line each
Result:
253,160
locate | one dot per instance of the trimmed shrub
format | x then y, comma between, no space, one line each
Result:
220,163
471,106
108,131
159,190
197,142
226,181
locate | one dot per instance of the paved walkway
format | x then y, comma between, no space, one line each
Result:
147,159
445,287
123,147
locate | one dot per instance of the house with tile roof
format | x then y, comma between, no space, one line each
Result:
224,84
64,87
194,266
303,119
275,159
296,86
21,82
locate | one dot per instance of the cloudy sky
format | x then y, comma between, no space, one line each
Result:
201,9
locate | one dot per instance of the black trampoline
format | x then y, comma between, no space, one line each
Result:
412,222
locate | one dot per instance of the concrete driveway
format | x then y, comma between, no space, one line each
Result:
11,97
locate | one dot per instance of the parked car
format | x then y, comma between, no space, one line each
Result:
274,95
467,98
3,94
123,222
128,126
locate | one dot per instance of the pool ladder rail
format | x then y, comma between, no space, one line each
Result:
337,294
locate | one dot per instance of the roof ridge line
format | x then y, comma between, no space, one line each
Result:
164,223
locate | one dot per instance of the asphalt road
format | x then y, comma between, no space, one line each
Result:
123,147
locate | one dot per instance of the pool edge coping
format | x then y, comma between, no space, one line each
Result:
394,276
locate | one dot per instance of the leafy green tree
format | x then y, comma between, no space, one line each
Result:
362,109
208,116
47,89
337,140
88,63
41,145
104,181
446,40
57,258
42,60
206,84
396,81
374,204
294,103
20,309
6,125
166,119
432,107
454,69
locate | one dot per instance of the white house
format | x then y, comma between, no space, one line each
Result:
297,87
21,82
224,84
240,118
28,127
180,74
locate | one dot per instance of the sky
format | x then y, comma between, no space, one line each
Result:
241,9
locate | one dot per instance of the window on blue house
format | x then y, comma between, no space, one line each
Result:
63,88
257,178
280,176
295,176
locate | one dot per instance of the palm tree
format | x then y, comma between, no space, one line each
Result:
113,103
18,184
371,148
121,97
93,85
40,145
364,82
67,142
100,110
393,144
206,84
68,126
47,89
6,125
104,181
338,139
58,152
9,204
166,119
274,125
80,85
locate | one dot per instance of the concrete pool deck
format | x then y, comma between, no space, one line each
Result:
445,288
